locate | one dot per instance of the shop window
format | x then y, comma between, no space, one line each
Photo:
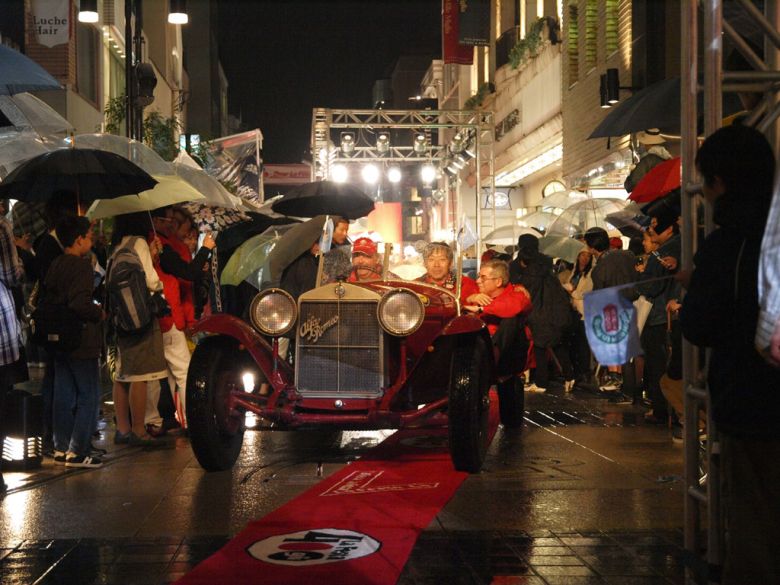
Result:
573,39
87,62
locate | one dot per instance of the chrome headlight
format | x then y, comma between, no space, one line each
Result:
273,312
400,312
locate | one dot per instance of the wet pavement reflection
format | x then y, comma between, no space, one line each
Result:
586,492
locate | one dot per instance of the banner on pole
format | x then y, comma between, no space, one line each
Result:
452,50
611,326
51,22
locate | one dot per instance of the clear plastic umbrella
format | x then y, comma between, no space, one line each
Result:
17,149
561,247
582,216
563,199
538,220
24,112
213,191
132,150
507,235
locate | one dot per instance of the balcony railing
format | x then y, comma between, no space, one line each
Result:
535,37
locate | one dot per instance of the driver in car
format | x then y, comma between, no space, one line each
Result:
366,264
437,257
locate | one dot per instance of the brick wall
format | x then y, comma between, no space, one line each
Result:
60,61
581,104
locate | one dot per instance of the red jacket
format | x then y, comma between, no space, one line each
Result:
468,286
514,299
178,292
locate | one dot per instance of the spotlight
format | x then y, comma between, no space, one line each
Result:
88,11
370,174
339,173
428,174
383,143
459,161
347,142
613,86
177,12
420,143
457,143
394,175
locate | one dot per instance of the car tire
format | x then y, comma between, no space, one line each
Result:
469,405
215,433
511,402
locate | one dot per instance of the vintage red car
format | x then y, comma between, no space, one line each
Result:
374,355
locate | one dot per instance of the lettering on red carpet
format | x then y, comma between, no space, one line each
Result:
366,482
313,547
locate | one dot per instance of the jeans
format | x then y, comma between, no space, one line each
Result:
76,398
47,392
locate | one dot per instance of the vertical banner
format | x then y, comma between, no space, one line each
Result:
452,50
51,22
474,25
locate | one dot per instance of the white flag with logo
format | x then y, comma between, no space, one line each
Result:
611,326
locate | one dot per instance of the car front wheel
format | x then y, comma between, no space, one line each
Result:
216,431
469,405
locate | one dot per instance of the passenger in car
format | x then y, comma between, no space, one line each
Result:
437,257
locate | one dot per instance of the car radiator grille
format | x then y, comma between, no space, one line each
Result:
339,349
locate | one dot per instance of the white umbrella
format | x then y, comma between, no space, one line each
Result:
18,148
168,191
24,112
211,189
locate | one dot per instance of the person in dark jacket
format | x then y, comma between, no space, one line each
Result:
663,262
720,311
552,315
69,283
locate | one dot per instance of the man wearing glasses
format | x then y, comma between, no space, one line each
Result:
504,308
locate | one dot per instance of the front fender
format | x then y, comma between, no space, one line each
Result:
277,372
464,324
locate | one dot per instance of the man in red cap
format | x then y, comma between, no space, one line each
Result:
366,264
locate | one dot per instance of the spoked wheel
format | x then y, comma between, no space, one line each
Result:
511,402
216,431
469,405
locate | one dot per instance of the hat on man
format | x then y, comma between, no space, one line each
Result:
365,246
650,136
528,242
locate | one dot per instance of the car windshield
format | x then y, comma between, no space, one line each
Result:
358,263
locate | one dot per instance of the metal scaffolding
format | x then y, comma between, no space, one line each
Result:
704,530
438,126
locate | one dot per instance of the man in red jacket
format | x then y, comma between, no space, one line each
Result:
497,299
438,258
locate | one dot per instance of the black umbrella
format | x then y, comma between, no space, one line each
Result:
655,106
237,234
325,198
90,174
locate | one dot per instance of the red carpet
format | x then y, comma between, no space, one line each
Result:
356,527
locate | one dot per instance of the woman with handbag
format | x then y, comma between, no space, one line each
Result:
13,367
140,355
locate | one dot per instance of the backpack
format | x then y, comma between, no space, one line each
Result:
129,301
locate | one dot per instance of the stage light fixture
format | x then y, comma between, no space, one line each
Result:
420,143
177,12
347,142
370,174
458,143
428,174
339,173
88,11
394,175
383,143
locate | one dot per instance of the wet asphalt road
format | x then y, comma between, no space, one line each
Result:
584,493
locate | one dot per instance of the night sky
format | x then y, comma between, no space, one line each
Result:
284,58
